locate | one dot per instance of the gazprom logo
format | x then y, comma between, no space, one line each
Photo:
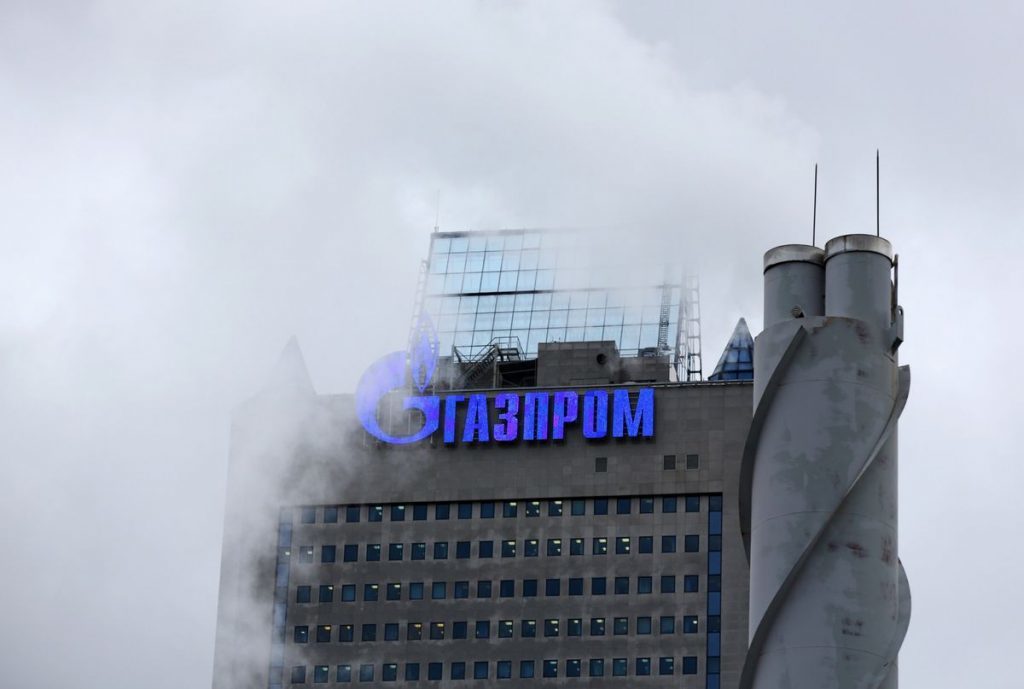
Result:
505,417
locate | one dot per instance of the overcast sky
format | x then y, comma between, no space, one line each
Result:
184,185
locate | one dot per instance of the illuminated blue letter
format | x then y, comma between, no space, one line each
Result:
535,416
477,426
449,416
566,408
508,428
595,414
632,423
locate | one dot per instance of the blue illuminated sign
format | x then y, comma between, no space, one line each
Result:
507,417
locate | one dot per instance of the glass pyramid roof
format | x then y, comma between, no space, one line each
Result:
737,362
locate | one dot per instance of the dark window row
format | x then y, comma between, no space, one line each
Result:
530,547
506,588
502,669
501,629
507,508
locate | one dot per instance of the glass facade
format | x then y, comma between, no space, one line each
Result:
531,286
737,361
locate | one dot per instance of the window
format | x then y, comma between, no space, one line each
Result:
597,626
689,624
619,666
366,673
693,503
441,550
598,586
389,672
643,666
465,510
597,667
526,669
306,553
303,594
621,585
531,547
509,508
576,546
533,508
645,545
369,632
375,513
620,626
691,583
419,514
434,671
693,461
416,590
668,504
480,669
576,586
691,543
299,674
483,629
487,510
690,665
373,552
398,513
348,593
551,627
439,590
600,465
622,545
714,543
554,547
330,515
394,591
301,634
668,544
644,585
352,513
462,550
668,462
412,672
553,587
371,591
486,548
600,546
505,629
668,583
459,629
437,631
419,551
528,629
554,508
395,551
483,589
600,505
323,634
508,548
346,633
414,631
646,505
460,589
643,625
504,669
391,631
574,626
529,588
442,511
350,553
507,588
578,508
623,505
327,554
550,668
572,667
667,625
458,670
344,673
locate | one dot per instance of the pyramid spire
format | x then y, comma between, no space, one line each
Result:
737,361
290,373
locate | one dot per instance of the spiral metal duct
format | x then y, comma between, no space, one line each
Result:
829,599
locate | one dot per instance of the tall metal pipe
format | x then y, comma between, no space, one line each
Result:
829,600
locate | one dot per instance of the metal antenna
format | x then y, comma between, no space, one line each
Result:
437,210
814,216
878,223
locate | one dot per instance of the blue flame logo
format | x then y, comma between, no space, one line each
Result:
393,372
